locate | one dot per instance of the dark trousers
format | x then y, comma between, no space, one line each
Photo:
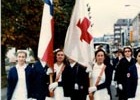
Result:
109,92
122,95
78,95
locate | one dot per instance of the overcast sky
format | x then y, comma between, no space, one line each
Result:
106,13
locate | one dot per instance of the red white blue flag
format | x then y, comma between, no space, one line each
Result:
79,38
45,47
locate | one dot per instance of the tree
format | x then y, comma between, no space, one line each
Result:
21,21
62,14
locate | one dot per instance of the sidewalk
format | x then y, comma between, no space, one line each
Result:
113,92
3,93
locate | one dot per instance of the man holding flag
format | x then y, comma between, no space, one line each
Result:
79,41
43,68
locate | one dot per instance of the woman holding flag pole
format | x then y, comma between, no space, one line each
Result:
59,66
101,77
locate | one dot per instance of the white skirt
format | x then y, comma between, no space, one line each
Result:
58,95
137,97
101,95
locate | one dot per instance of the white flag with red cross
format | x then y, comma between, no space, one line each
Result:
79,38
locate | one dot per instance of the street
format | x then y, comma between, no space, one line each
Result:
3,93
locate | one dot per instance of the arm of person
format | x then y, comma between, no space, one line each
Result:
108,78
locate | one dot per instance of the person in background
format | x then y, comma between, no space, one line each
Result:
101,76
122,70
19,79
116,61
115,58
41,80
119,56
133,82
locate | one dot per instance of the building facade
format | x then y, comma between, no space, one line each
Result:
121,32
135,31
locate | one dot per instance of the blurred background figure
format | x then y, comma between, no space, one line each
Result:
122,70
133,83
116,60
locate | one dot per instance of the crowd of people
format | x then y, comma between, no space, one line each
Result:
69,80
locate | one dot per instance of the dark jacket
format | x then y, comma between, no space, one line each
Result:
13,79
122,69
108,78
132,81
40,81
72,75
115,62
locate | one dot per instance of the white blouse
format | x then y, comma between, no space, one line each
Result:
20,92
57,69
138,86
96,72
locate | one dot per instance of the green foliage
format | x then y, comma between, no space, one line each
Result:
21,20
62,14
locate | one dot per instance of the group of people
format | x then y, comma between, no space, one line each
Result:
71,80
127,73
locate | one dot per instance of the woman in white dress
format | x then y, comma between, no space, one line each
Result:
101,77
133,83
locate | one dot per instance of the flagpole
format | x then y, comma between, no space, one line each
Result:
51,81
45,48
91,97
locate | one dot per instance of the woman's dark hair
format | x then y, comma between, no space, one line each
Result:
137,52
107,58
100,50
60,50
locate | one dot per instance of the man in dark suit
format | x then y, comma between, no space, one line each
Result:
79,81
40,80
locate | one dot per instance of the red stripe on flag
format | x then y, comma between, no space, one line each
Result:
45,47
48,56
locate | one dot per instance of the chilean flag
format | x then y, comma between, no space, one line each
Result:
45,48
79,38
